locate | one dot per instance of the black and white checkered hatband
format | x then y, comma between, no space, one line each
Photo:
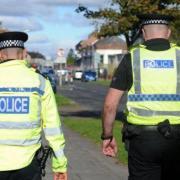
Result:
11,43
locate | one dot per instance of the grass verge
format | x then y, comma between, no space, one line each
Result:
102,82
63,101
91,128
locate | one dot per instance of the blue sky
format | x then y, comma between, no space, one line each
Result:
51,24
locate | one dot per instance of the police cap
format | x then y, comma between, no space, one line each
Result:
147,19
13,40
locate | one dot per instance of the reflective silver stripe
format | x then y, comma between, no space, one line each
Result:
39,111
20,125
52,131
59,153
42,88
178,71
137,71
22,89
143,112
42,83
21,142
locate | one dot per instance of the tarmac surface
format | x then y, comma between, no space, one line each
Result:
86,161
90,95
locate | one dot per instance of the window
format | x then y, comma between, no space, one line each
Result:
102,59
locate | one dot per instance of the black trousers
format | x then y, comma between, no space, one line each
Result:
154,157
31,172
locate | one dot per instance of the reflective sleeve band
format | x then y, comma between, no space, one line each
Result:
137,71
178,71
143,112
154,97
42,83
39,90
23,89
52,131
39,109
59,153
20,125
21,142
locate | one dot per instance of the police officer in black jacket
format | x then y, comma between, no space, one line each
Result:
153,123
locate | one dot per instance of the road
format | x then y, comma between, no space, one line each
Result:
89,95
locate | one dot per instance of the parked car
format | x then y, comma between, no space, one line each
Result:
88,76
62,72
53,82
78,75
49,73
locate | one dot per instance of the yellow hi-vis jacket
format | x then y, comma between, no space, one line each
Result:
155,94
27,106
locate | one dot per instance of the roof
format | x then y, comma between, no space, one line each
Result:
113,42
92,38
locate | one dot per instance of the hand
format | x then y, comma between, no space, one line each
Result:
109,148
60,176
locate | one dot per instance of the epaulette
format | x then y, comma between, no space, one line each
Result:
136,46
37,71
173,45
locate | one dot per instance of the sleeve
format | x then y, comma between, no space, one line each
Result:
122,78
52,129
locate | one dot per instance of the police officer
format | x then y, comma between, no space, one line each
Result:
151,75
27,106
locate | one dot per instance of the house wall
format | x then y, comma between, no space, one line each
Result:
110,61
107,52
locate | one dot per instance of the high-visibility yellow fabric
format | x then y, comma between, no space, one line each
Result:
27,106
156,81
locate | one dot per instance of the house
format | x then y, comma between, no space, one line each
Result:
111,50
101,54
85,49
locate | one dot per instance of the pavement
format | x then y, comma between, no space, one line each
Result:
86,161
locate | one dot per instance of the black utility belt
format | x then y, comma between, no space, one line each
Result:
164,128
155,127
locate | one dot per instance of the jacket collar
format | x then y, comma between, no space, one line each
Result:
157,44
10,62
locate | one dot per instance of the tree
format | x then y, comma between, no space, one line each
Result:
71,57
121,16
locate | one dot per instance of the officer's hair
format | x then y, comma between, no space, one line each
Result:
11,51
156,31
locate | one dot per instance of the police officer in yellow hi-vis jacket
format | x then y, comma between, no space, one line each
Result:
27,107
151,75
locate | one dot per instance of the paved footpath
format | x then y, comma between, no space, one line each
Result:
86,161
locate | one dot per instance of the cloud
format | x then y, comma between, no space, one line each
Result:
47,49
74,20
26,8
41,43
20,23
38,39
34,16
71,2
29,10
42,7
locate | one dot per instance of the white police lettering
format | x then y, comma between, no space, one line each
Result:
158,64
25,104
14,105
2,104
